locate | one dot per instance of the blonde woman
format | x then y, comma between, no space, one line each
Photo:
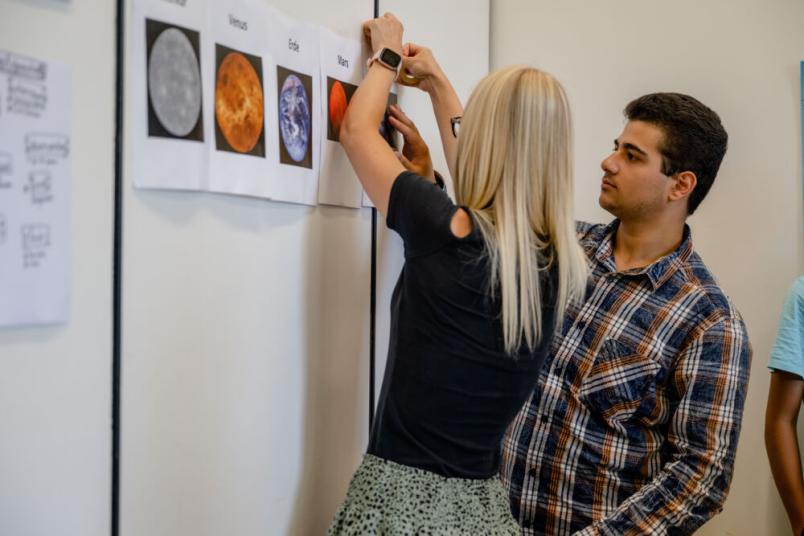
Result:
475,306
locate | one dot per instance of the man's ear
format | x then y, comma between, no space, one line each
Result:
683,184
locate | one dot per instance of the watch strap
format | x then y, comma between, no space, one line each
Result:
378,58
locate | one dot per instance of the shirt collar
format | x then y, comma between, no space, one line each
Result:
657,272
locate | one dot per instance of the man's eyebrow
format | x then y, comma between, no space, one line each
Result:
630,147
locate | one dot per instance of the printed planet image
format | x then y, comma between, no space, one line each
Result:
340,93
174,82
239,105
295,118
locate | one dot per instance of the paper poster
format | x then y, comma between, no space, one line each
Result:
342,65
297,108
167,113
801,91
241,83
35,275
234,97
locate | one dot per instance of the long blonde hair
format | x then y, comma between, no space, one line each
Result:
514,172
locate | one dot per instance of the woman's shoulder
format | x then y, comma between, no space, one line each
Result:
461,224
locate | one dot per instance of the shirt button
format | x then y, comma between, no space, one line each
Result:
532,472
545,418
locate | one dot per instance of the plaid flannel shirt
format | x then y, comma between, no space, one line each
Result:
633,425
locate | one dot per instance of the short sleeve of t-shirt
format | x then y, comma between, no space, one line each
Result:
421,213
788,351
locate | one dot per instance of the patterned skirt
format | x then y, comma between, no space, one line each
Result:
391,499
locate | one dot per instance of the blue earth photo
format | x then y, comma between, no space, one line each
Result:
295,120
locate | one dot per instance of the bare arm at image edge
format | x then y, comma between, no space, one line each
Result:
781,442
784,401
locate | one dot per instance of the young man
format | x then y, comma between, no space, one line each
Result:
784,401
633,425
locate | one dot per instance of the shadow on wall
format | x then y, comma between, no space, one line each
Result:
336,362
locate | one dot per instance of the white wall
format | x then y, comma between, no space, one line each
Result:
55,382
742,59
245,352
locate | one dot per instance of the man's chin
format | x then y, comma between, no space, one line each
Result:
607,205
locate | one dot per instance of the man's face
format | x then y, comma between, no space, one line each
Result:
633,184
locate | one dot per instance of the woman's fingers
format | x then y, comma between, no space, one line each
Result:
406,131
383,31
396,112
412,48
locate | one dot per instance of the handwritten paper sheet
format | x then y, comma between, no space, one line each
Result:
34,191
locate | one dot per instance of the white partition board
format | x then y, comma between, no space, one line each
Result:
55,381
245,351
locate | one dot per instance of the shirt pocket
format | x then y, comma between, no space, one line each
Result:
620,384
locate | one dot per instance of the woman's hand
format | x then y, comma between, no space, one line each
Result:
384,32
415,155
418,62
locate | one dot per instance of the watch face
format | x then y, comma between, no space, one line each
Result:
389,57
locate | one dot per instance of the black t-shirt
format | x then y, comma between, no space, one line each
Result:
449,390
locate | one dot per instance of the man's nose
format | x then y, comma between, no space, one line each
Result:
609,164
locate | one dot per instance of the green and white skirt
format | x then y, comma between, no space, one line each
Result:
392,499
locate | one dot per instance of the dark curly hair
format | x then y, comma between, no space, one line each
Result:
694,138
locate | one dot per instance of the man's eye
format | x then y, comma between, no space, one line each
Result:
630,156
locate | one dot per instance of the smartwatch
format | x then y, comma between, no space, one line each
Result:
387,58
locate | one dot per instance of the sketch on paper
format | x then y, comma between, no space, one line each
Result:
295,117
339,94
174,82
239,102
6,170
39,187
35,244
26,93
17,65
46,148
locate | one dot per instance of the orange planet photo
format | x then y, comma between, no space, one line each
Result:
337,106
340,93
239,104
